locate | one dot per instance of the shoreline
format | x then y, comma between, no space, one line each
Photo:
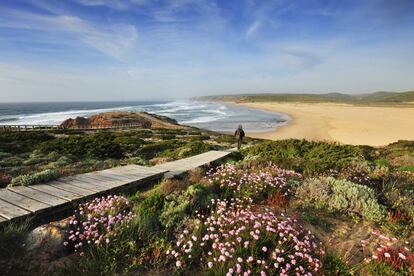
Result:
343,123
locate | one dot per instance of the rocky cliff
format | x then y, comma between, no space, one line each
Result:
115,119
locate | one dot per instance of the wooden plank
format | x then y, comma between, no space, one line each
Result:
116,177
106,178
85,185
78,178
2,219
60,193
38,195
10,211
71,188
23,202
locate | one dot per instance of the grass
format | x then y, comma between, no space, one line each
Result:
12,239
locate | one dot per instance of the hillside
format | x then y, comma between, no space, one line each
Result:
371,98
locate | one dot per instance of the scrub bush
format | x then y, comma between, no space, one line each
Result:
308,157
341,195
30,179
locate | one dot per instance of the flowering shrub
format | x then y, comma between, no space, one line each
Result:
379,248
341,195
94,222
236,239
255,181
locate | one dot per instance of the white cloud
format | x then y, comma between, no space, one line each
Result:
112,40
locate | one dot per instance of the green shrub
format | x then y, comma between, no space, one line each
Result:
178,205
100,145
11,238
20,142
341,195
152,150
333,265
189,149
129,143
39,177
406,169
148,213
308,157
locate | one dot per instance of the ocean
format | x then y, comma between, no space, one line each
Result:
212,116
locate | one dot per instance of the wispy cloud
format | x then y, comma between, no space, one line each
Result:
112,40
253,28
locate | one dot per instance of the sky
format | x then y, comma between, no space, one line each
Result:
103,50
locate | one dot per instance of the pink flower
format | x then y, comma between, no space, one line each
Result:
178,264
387,255
402,256
210,264
264,249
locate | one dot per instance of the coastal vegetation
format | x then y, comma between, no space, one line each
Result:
28,158
281,207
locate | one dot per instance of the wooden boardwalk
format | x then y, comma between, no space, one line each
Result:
45,199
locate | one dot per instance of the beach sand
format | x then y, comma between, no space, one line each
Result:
347,124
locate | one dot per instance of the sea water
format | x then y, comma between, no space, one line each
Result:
208,115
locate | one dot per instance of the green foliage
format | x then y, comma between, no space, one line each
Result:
341,195
12,237
308,157
129,143
189,149
406,169
39,177
100,145
152,150
379,268
333,265
147,213
20,142
178,205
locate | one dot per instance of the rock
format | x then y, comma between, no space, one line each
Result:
48,238
78,122
113,119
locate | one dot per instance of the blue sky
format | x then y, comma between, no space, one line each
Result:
142,49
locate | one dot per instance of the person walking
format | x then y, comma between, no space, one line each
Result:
240,135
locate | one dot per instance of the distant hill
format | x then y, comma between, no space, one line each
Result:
376,97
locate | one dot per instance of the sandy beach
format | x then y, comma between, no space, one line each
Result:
347,124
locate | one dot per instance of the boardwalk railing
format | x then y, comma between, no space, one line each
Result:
5,128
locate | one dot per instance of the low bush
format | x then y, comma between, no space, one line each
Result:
39,177
179,205
341,195
258,181
100,145
308,157
94,223
148,213
153,150
20,142
188,149
234,239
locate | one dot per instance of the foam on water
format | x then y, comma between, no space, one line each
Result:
213,116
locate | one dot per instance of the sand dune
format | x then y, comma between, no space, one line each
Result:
348,124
